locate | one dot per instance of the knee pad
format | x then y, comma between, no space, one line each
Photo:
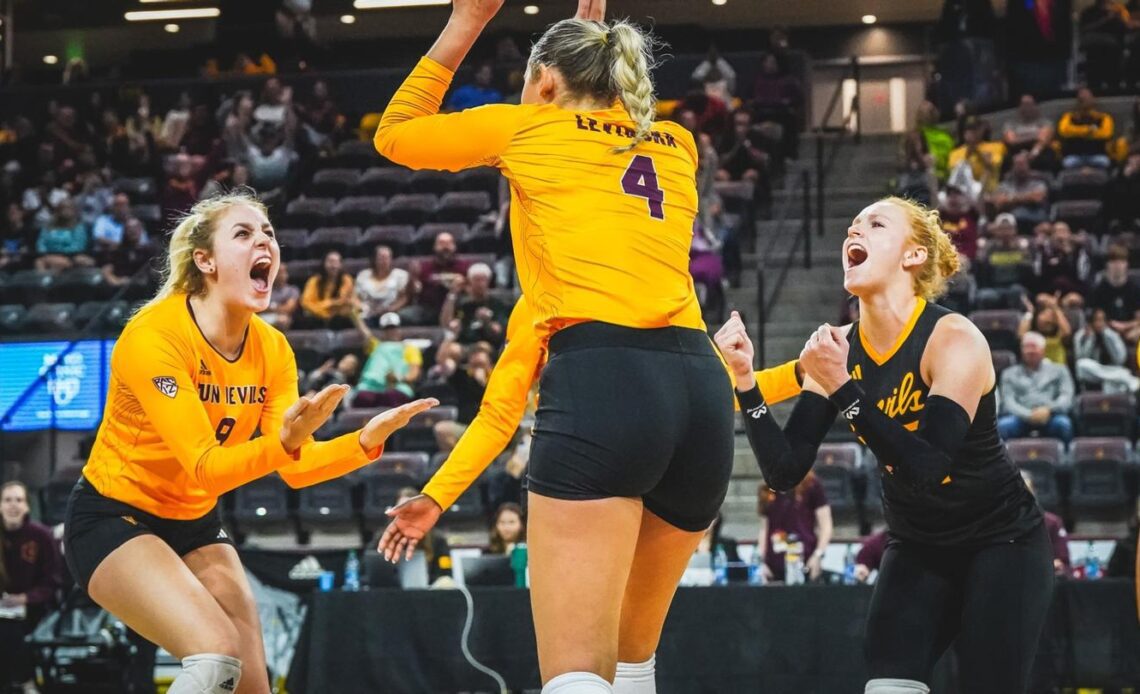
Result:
891,686
636,678
207,673
578,683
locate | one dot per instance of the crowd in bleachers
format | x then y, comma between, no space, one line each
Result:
1048,229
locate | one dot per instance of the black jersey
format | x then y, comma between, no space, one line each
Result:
984,498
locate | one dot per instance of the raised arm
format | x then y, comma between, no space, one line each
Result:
955,356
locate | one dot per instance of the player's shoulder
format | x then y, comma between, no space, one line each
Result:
163,319
272,339
680,134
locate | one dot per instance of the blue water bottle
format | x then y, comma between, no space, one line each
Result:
352,572
756,569
720,567
1092,563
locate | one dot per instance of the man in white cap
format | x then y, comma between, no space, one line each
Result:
393,366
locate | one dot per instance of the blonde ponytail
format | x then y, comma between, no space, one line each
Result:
942,261
195,231
608,62
632,62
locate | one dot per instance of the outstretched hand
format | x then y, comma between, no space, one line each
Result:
412,520
594,10
383,425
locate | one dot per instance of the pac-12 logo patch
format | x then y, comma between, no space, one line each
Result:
166,385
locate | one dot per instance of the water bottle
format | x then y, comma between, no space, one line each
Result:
518,564
794,563
756,569
1092,563
352,572
849,567
720,567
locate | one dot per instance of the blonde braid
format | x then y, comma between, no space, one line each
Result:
632,61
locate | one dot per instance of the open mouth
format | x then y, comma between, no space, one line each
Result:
260,274
856,255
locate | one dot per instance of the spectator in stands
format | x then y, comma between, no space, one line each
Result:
714,539
927,142
715,70
711,113
800,515
1117,293
739,153
1002,263
471,312
1036,395
63,243
68,134
465,371
1103,26
1044,316
508,528
327,300
136,251
1057,534
393,366
1022,194
274,108
433,279
1027,128
917,180
1101,356
30,578
180,191
962,288
706,264
381,288
1084,134
344,370
175,123
94,196
778,97
108,229
283,301
960,215
1123,196
1062,266
271,159
322,122
479,93
228,176
13,237
236,114
983,159
202,136
40,201
870,555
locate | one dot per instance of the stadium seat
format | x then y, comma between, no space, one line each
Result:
114,315
150,215
379,493
425,236
353,418
353,266
1098,467
343,240
1081,215
1000,328
28,287
396,236
294,244
311,347
326,506
49,318
471,505
54,494
1082,184
429,181
1002,360
309,213
462,207
411,464
1100,414
355,154
410,209
360,211
80,284
419,434
481,237
1042,459
333,183
12,318
836,465
484,178
386,182
262,504
301,270
348,340
139,190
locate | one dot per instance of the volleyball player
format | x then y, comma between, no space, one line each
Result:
968,560
633,442
194,374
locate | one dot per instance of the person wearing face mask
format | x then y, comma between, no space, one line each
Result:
916,383
193,375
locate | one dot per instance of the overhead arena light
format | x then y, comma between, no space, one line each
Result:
167,15
385,4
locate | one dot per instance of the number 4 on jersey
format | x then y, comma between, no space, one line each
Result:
640,179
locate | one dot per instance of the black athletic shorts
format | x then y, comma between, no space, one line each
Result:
97,525
635,413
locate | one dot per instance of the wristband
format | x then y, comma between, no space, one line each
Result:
849,399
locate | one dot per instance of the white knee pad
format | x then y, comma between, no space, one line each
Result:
636,678
889,686
578,683
207,673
